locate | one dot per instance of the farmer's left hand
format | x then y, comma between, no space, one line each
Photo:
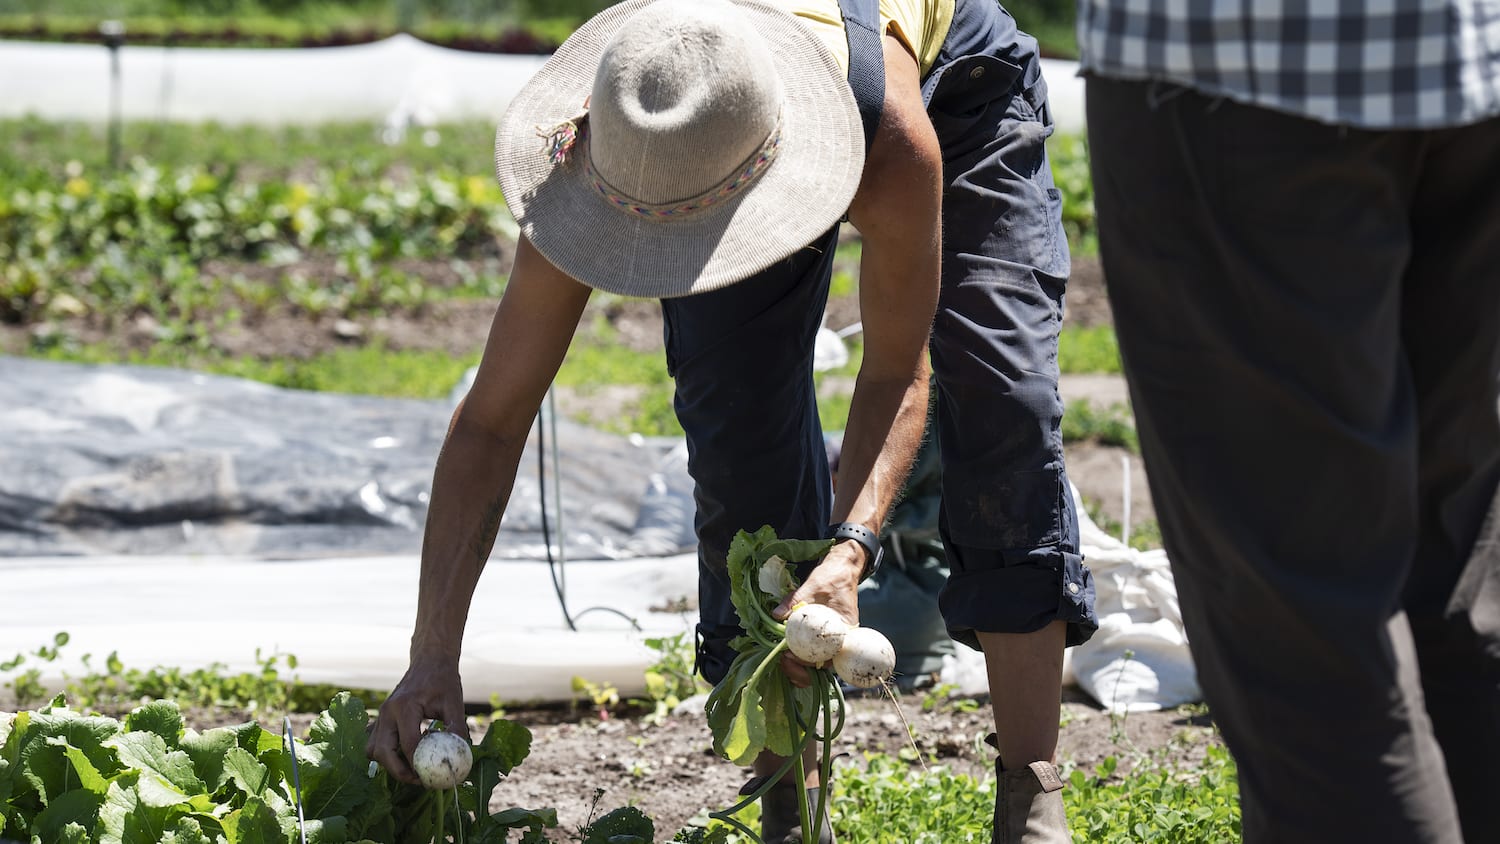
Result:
834,583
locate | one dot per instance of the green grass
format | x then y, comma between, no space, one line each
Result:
29,145
1158,804
890,800
594,362
1145,535
1112,425
370,370
1051,22
1091,350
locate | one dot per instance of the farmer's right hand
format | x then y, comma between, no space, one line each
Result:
430,689
834,583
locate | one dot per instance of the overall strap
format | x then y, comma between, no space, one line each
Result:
866,60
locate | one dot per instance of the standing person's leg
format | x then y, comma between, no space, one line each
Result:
1018,588
742,360
1254,263
1451,332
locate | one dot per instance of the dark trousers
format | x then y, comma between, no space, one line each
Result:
742,360
1310,323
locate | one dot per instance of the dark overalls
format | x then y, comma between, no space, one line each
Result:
742,359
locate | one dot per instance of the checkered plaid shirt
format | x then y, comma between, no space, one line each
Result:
1378,64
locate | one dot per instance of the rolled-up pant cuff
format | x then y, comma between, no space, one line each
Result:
1020,592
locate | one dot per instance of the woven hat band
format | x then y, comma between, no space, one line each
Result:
743,176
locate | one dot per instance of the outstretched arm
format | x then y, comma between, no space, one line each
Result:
898,211
471,487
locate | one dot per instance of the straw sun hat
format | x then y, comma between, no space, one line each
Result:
672,147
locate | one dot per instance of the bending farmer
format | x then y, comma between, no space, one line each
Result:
703,152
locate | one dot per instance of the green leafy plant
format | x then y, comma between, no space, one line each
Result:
671,678
755,707
945,696
889,800
1069,154
1144,535
1091,349
1113,425
68,776
113,686
1158,804
603,697
26,686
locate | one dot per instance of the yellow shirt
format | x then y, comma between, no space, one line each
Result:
922,25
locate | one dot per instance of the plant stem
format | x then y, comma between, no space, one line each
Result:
769,659
826,686
800,783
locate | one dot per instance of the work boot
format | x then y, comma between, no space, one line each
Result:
1029,805
781,818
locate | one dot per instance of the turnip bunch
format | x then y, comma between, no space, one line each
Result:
755,707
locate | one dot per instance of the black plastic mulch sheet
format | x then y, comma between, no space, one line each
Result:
134,460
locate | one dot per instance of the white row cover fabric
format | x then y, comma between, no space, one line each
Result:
348,621
1138,660
400,80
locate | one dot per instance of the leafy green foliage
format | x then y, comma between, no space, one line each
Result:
890,801
626,825
522,25
672,678
1144,535
1158,805
755,708
747,711
1069,155
1088,350
25,686
137,243
68,776
34,150
364,370
462,24
1113,425
112,686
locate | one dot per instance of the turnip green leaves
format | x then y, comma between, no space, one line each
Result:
69,777
755,708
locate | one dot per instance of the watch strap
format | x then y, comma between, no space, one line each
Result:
865,537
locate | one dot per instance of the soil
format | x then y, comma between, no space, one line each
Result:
669,771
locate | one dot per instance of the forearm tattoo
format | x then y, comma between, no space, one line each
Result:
484,538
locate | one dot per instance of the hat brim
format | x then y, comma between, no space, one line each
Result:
806,189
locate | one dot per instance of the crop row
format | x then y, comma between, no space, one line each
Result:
178,240
262,32
121,242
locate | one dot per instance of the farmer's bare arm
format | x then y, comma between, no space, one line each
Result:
471,486
898,213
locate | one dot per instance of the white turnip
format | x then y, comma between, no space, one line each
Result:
815,633
442,760
866,659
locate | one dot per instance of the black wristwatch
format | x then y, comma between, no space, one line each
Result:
865,537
